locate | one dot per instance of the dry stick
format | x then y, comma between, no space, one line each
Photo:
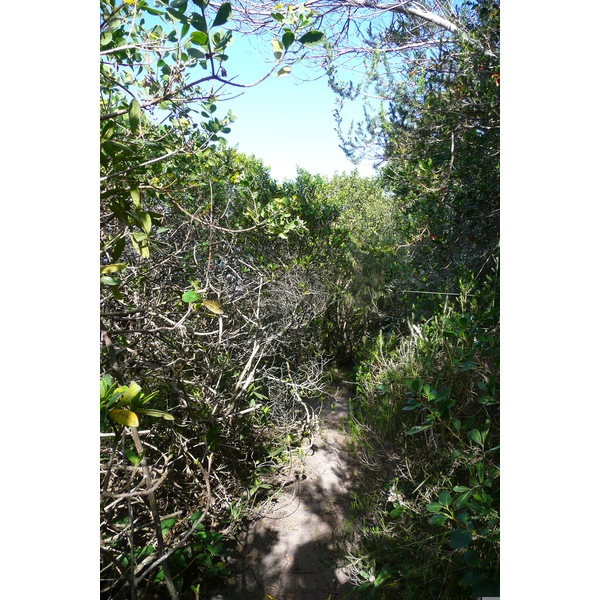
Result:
113,452
192,529
156,517
133,586
111,353
137,493
140,450
210,234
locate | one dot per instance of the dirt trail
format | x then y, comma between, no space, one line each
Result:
293,551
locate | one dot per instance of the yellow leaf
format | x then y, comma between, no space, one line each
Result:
214,307
114,268
124,417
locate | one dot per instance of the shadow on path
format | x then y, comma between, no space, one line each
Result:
294,551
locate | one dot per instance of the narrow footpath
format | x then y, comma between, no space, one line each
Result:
294,550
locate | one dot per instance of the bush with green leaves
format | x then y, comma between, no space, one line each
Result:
426,421
198,303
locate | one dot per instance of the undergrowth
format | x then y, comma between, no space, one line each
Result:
425,421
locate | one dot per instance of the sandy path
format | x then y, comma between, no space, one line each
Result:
293,551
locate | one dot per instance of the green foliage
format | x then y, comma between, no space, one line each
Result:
122,404
419,398
225,293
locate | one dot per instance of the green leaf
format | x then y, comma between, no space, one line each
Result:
152,412
463,498
166,524
471,558
134,116
445,498
177,16
438,519
132,391
434,507
133,457
134,192
109,280
152,11
199,38
106,38
223,14
475,436
114,290
145,221
480,473
417,429
195,53
416,385
312,38
459,538
288,39
190,296
283,71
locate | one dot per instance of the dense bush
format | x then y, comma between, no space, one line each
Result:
425,421
225,295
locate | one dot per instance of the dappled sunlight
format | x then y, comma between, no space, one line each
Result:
292,550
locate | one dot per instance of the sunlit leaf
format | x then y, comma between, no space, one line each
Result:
417,429
134,116
214,307
114,268
277,48
151,412
199,38
190,296
146,221
134,192
283,72
106,38
124,417
109,280
132,391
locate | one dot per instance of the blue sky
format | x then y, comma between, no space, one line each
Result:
284,121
